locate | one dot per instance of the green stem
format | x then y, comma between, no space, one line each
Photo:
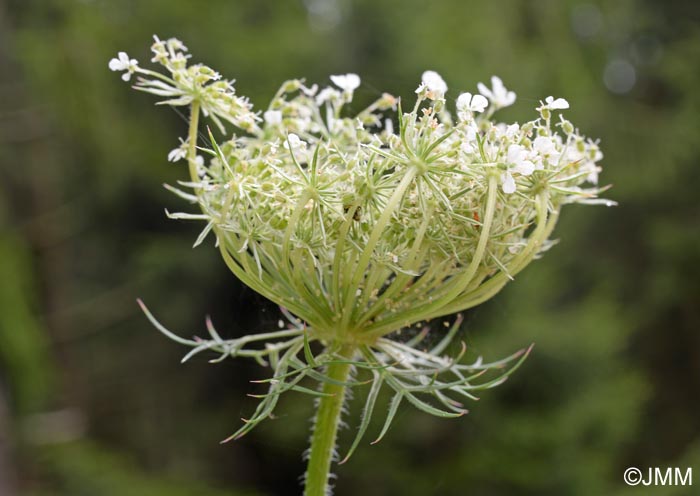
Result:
192,142
366,256
326,428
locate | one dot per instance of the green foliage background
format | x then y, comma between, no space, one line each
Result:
614,380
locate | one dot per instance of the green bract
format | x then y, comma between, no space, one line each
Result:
358,231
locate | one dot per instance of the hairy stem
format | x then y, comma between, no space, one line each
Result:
192,142
326,428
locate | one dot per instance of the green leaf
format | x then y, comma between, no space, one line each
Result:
366,414
393,408
307,351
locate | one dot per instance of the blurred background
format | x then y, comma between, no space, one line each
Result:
94,402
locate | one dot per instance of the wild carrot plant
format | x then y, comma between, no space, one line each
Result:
361,225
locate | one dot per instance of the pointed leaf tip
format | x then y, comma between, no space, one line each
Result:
228,439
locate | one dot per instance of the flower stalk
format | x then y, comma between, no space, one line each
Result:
325,433
192,142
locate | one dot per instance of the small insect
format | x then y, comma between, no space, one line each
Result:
357,215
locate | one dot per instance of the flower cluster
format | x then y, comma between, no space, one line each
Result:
360,225
188,83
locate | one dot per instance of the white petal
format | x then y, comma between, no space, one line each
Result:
524,167
508,183
126,76
560,103
353,81
176,154
389,126
116,65
512,130
273,117
338,80
556,104
593,177
347,82
515,154
498,94
543,145
294,142
484,90
325,95
434,82
464,102
497,85
479,103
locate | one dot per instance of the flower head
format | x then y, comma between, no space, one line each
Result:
189,83
357,231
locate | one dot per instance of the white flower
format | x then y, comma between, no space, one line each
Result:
592,155
295,142
508,183
468,103
555,104
434,84
498,94
297,147
544,145
311,91
273,117
389,126
517,156
334,125
507,132
348,82
326,94
593,171
177,153
176,45
469,142
124,63
546,150
517,161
